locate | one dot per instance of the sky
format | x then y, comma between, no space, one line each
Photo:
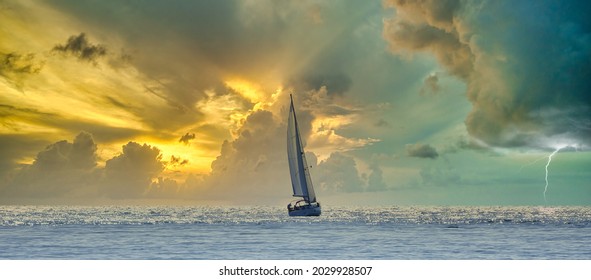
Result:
400,102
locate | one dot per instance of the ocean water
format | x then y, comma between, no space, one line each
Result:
236,233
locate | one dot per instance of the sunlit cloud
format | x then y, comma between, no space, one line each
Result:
325,140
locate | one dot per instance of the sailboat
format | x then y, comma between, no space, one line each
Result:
298,169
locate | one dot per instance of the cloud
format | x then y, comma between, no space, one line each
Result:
221,41
165,188
421,151
429,26
17,66
208,42
14,117
338,173
215,43
80,154
175,161
70,171
19,63
12,149
130,174
62,169
83,153
431,85
187,137
321,116
333,82
252,167
79,46
375,180
527,79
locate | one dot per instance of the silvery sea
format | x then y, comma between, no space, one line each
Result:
236,233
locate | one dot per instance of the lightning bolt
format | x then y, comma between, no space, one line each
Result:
548,164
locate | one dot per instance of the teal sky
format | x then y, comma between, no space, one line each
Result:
420,103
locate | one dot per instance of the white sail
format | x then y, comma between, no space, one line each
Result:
298,166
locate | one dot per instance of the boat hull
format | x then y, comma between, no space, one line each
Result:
307,210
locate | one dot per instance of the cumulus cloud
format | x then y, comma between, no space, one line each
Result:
165,188
79,46
421,151
527,79
62,169
338,173
70,170
375,180
252,167
130,174
83,153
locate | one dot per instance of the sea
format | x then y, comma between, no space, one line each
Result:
268,233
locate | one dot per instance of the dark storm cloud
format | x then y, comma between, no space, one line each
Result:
526,66
79,46
421,151
446,45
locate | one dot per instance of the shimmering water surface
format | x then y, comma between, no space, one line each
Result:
139,232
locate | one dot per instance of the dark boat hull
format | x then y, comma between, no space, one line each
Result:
305,210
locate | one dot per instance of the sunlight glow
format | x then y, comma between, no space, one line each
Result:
246,89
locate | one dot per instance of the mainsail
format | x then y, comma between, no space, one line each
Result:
298,166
